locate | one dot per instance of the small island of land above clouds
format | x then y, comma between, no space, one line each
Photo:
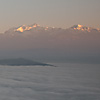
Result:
22,62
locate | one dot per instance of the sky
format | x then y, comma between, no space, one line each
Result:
55,13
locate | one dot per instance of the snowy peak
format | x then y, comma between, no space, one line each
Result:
84,28
37,28
26,28
81,28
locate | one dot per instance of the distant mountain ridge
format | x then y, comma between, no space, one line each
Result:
37,27
21,62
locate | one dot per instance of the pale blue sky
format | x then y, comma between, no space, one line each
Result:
57,13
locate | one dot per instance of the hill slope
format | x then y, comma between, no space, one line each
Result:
20,62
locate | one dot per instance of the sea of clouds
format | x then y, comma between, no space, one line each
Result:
64,82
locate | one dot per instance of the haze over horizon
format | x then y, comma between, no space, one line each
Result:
77,43
55,13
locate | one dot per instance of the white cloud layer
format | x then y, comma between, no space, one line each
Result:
67,81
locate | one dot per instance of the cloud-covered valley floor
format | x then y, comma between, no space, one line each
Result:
65,82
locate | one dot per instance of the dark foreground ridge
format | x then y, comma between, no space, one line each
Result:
21,62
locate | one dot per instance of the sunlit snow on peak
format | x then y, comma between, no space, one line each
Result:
77,27
36,25
26,28
80,25
81,28
20,29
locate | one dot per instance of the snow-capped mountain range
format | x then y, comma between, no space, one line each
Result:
37,27
84,28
